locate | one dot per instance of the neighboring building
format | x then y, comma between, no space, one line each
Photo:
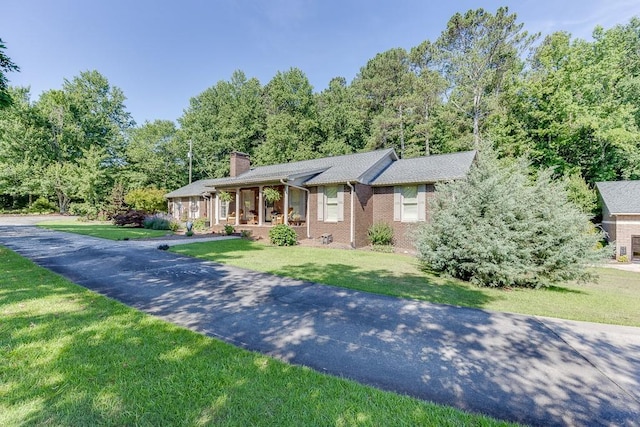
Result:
340,196
621,216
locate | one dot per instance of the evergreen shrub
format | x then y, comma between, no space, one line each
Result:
283,235
503,227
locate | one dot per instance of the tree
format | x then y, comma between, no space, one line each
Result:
22,142
149,200
85,124
6,66
429,92
341,121
229,116
293,131
502,227
578,107
478,52
68,144
155,156
384,87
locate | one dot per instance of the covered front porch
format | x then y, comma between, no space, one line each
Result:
260,206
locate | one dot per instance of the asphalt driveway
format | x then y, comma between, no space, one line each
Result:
532,370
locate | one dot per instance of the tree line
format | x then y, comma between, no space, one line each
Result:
565,103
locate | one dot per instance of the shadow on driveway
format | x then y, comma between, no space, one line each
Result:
513,367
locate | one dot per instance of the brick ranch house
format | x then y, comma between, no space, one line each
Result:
341,196
621,216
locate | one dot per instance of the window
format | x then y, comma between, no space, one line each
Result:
331,203
193,208
224,209
410,203
297,201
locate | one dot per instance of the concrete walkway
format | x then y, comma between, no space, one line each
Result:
532,370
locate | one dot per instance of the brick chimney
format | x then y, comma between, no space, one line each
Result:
240,163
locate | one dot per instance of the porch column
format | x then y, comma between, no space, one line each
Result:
237,206
210,215
286,205
217,209
260,206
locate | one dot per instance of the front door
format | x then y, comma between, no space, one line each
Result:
635,247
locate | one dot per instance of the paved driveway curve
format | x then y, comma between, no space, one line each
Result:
532,370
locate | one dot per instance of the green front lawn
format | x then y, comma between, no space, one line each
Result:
614,299
71,357
104,230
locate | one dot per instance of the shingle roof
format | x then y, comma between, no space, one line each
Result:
358,167
434,168
351,167
620,196
326,170
194,189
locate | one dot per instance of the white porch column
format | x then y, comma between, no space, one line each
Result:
237,206
260,206
217,209
286,205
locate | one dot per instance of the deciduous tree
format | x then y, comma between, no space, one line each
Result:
293,131
6,66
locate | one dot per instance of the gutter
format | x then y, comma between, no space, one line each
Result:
352,226
308,201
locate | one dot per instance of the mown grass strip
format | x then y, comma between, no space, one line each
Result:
613,299
102,230
71,357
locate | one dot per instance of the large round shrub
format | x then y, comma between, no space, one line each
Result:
283,235
503,227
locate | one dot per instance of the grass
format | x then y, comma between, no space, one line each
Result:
69,356
613,299
103,230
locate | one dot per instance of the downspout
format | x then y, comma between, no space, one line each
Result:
217,208
306,213
352,227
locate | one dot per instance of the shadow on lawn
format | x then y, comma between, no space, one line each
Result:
417,285
100,362
116,367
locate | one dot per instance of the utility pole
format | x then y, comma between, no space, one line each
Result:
190,155
401,134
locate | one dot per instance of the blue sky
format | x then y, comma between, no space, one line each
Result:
162,53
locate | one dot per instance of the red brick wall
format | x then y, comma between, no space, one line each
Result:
341,230
239,163
403,232
363,203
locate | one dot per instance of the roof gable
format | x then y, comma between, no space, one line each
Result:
620,197
326,170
